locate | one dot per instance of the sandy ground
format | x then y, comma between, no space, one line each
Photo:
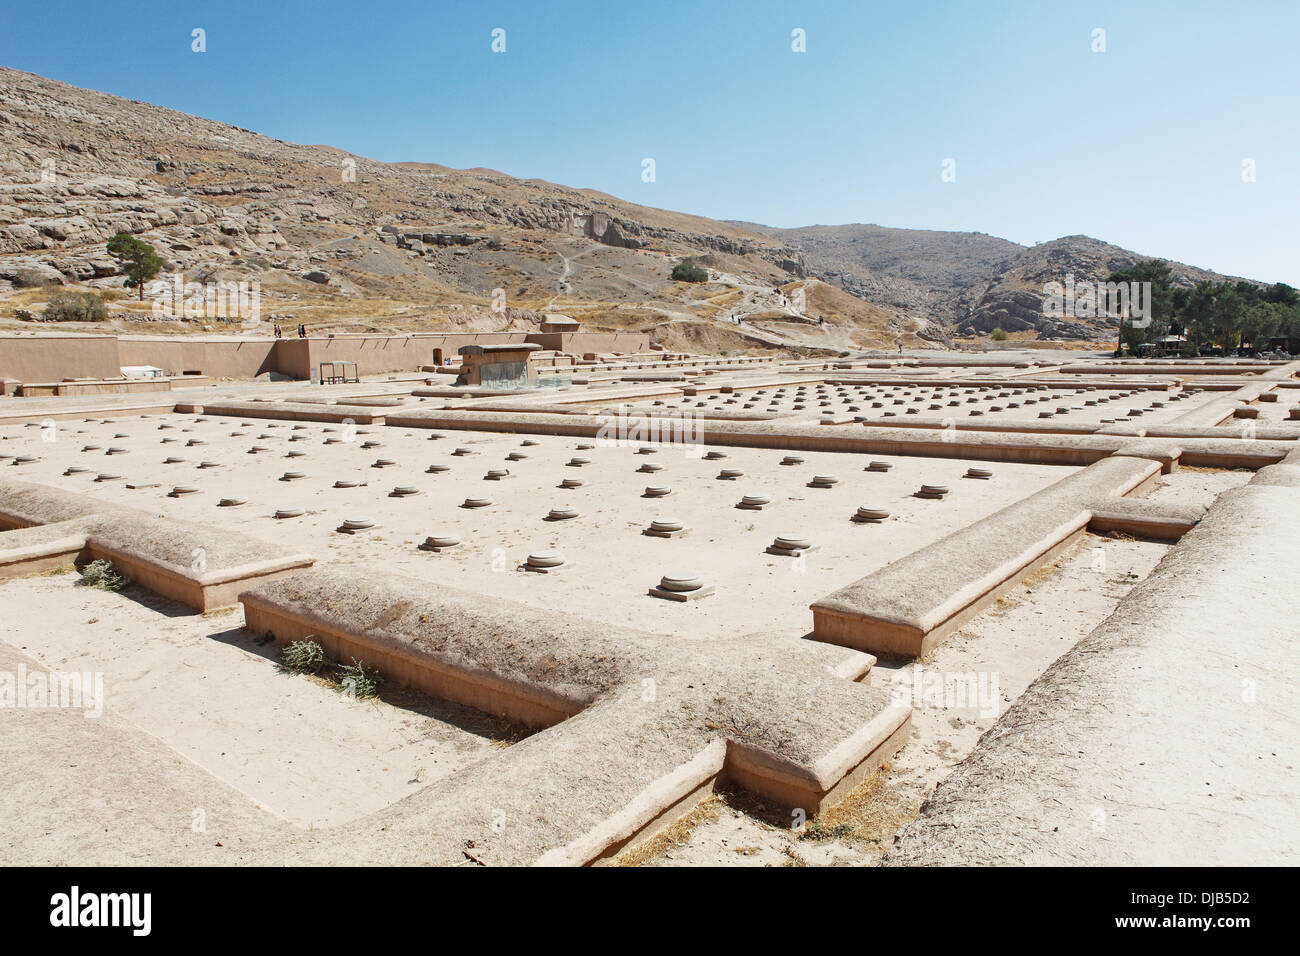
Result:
98,792
1279,412
957,693
309,755
799,400
203,686
197,716
1168,737
1193,485
613,563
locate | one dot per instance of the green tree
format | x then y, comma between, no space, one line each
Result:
1226,316
1158,273
1282,294
1162,303
1261,322
689,272
138,259
1130,337
1196,314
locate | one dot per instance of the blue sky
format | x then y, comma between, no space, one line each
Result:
1142,145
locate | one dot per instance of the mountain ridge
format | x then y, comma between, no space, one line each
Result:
411,244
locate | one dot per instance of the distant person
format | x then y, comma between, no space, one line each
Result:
302,331
278,330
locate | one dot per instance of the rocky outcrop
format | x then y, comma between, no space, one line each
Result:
77,166
1013,298
971,282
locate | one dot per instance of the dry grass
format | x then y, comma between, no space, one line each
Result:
875,811
864,821
1029,340
1040,576
1014,597
1207,470
501,732
675,835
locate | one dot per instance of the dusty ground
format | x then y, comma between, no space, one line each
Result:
331,759
212,692
198,717
1168,737
1278,412
953,405
614,564
957,693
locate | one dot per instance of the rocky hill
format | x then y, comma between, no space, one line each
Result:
971,283
1012,298
342,242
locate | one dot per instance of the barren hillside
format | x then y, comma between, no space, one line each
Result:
342,242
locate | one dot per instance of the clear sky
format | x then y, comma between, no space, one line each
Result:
1141,145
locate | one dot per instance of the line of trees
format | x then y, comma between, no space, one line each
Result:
1223,315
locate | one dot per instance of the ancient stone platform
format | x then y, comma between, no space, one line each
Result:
341,519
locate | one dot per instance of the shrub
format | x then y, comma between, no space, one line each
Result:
101,576
75,307
689,272
816,830
998,335
305,657
359,679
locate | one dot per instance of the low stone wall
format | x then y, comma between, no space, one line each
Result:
116,386
1212,367
1141,745
291,411
50,358
439,641
930,443
58,411
26,505
201,566
910,606
639,726
33,550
